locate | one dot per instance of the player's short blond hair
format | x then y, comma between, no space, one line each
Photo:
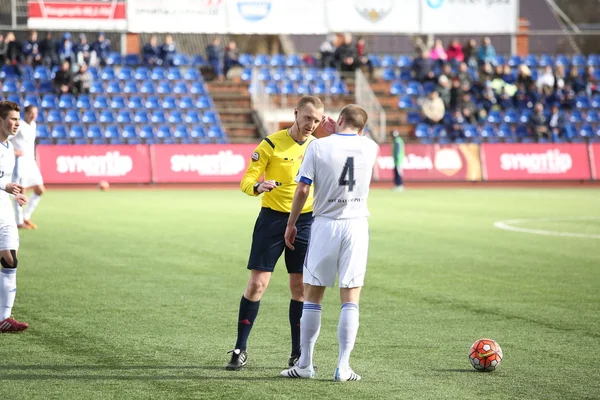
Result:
314,100
7,106
355,117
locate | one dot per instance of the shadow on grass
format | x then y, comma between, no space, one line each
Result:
78,372
457,370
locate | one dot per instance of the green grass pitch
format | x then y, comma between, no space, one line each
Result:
134,294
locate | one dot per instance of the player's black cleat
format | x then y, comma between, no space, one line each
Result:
239,358
293,360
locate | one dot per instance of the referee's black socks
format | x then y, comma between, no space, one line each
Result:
295,315
247,315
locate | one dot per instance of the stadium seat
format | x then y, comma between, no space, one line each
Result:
180,88
181,132
389,74
173,74
193,117
132,59
146,132
54,116
277,60
112,131
152,102
147,88
203,102
42,132
89,116
185,102
117,102
106,117
28,87
63,141
158,117
124,117
209,117
158,74
72,116
129,132
175,117
41,73
10,86
592,117
586,131
169,102
198,61
96,87
49,101
191,74
59,131
108,73
114,58
197,88
180,60
83,101
77,131
32,99
422,131
135,102
131,87
293,60
397,88
101,102
125,74
198,132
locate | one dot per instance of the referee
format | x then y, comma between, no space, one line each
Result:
278,158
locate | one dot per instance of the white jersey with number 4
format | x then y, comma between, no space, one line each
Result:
340,167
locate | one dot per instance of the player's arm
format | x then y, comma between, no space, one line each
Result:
11,188
305,179
258,163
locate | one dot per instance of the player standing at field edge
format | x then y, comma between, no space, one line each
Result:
27,173
278,157
340,167
9,234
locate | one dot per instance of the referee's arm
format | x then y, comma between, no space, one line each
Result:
256,167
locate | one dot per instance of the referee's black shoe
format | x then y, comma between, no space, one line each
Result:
239,358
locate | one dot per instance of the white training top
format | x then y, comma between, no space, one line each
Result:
7,164
340,167
24,140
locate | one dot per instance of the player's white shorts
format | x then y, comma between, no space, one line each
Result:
337,246
9,237
27,173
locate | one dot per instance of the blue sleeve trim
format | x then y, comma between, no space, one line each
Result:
306,180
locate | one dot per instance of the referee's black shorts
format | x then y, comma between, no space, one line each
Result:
268,242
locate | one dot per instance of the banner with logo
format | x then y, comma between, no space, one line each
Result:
469,16
595,160
276,17
174,16
509,162
433,163
92,164
373,16
214,163
106,15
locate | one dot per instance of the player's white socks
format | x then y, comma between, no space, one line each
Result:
347,330
310,325
18,213
8,290
31,205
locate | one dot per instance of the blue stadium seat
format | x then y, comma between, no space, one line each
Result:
470,131
132,60
124,117
575,117
180,88
89,116
46,87
578,60
41,73
563,60
546,60
246,60
131,87
397,88
582,102
404,61
141,73
406,102
32,99
10,85
42,132
295,75
114,58
117,102
329,74
108,73
129,132
413,117
203,102
59,131
94,132
181,132
488,131
198,132
389,74
339,87
198,61
125,74
135,102
101,102
511,117
494,117
180,60
190,74
169,102
422,131
193,117
532,61
586,131
106,117
272,88
100,141
414,88
80,141
592,117
147,132
15,98
277,60
524,117
72,116
28,87
141,117
96,87
175,117
116,141
186,102
158,74
83,101
158,117
152,102
288,88
134,140
279,74
197,88
388,61
63,141
215,132
375,60
49,101
261,60
113,87
293,60
163,131
210,117
77,131
54,116
515,61
173,74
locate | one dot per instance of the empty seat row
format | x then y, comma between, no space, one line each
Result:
139,116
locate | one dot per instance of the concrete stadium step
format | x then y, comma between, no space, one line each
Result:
238,130
240,115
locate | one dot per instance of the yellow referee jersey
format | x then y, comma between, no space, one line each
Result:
278,157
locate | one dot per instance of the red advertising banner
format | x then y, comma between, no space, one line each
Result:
92,164
595,160
560,161
422,162
200,163
77,14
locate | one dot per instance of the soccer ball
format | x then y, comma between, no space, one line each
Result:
103,185
485,355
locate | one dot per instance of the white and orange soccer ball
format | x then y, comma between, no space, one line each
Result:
485,355
103,185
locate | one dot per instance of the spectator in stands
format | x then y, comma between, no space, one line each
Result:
423,67
215,56
486,52
363,57
589,78
63,80
497,81
520,99
232,57
3,48
48,49
524,76
486,73
151,52
432,108
455,52
83,79
65,49
470,53
13,49
438,53
444,88
168,51
556,121
560,77
537,124
464,77
31,50
488,101
455,125
546,80
455,93
505,100
101,49
566,97
345,55
327,51
468,108
420,45
507,75
576,81
83,51
446,71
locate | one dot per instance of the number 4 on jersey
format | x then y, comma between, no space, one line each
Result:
348,171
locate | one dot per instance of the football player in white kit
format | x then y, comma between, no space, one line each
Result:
340,167
27,173
9,234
